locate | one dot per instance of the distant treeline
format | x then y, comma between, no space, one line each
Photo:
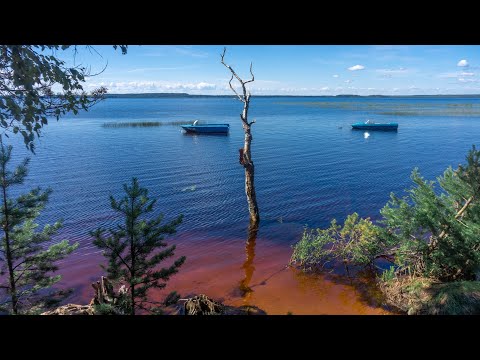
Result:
185,95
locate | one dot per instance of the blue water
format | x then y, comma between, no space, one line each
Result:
310,166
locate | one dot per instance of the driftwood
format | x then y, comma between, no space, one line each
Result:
72,309
196,305
203,305
104,293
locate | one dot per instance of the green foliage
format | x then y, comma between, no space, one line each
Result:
133,248
454,298
436,232
28,75
431,232
388,275
357,242
105,309
26,263
171,299
423,296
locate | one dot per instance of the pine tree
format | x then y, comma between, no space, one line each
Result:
26,264
436,232
132,249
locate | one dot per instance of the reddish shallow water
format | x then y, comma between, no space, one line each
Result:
237,274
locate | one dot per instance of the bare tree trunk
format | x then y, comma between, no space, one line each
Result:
245,153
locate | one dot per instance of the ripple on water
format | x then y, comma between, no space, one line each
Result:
308,171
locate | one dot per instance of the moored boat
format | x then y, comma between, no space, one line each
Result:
206,128
368,125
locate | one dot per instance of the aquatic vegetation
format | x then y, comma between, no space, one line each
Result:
396,109
356,242
437,112
144,124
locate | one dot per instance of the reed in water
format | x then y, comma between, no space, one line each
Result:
144,124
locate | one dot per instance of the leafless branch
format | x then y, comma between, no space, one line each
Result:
234,74
233,89
253,77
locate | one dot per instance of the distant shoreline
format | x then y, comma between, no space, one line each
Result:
185,95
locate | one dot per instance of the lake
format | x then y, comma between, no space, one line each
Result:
310,168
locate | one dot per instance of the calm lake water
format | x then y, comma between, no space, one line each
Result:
310,168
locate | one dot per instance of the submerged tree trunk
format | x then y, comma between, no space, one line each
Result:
245,153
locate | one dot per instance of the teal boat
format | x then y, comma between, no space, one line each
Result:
207,128
369,125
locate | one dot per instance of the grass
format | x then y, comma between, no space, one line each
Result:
144,124
434,112
421,296
398,109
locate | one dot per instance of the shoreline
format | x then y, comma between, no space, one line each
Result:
225,277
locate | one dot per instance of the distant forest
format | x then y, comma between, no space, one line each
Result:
185,95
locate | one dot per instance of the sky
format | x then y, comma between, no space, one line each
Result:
286,69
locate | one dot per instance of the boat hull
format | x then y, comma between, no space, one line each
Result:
378,127
207,129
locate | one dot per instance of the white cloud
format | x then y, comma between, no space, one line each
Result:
325,88
335,76
120,87
462,63
467,74
348,81
356,67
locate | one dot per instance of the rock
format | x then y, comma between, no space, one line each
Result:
72,309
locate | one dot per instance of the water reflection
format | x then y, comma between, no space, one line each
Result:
248,266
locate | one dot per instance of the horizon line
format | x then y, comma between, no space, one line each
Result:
289,95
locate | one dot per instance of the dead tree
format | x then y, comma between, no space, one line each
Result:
245,153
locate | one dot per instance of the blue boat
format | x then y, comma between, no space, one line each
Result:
368,125
206,128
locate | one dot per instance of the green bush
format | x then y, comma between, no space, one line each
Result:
357,242
431,232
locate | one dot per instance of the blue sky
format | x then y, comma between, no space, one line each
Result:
288,70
